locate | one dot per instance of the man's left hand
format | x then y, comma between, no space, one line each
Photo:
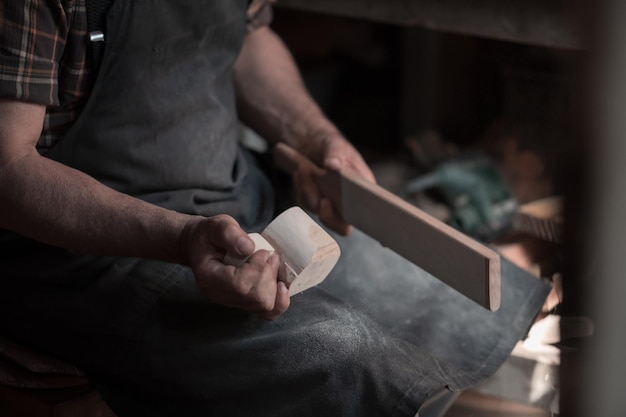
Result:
334,153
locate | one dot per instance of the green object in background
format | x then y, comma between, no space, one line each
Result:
471,187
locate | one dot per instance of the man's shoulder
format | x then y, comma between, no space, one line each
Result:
43,59
36,36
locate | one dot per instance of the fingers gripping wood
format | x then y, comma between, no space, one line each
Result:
452,257
307,252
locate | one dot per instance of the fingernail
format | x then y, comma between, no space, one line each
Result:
333,164
273,260
282,287
245,246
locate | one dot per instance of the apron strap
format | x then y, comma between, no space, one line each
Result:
96,13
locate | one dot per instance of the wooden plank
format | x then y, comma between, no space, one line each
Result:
454,258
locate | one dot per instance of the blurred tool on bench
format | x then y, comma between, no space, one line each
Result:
468,183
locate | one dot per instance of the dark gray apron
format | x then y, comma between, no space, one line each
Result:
161,125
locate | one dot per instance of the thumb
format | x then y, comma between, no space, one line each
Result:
226,234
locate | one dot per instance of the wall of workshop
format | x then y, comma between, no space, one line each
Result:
383,83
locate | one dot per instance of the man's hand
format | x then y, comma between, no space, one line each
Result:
253,286
333,153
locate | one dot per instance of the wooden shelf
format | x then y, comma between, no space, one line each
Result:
537,22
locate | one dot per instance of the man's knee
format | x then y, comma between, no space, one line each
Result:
348,339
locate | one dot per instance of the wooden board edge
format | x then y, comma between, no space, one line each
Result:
485,292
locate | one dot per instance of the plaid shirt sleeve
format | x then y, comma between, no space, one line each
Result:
33,36
32,39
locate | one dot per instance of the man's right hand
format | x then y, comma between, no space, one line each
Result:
60,206
253,286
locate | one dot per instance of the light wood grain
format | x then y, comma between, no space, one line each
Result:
307,252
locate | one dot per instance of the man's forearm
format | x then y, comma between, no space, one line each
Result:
273,100
52,203
271,95
58,205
